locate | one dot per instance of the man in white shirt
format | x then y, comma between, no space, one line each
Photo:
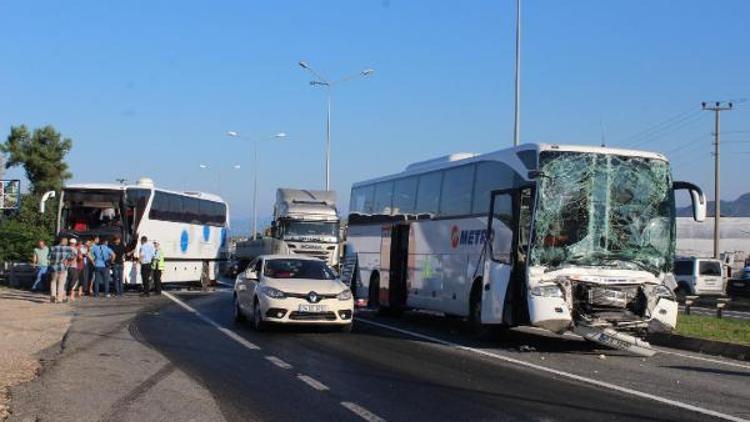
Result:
145,256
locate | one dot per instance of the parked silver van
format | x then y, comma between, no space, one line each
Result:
699,276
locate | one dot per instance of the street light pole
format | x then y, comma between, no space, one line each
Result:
717,108
321,81
517,116
234,134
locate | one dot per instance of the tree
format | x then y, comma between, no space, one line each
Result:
42,155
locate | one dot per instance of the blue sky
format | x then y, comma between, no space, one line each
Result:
149,87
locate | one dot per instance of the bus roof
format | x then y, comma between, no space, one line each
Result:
508,155
114,186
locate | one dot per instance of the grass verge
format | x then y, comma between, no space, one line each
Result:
712,328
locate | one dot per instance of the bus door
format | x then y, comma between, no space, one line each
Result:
504,276
394,256
399,268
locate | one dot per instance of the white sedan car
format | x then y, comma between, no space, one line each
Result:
290,289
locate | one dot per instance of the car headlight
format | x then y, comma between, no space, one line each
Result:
273,293
345,295
663,291
547,291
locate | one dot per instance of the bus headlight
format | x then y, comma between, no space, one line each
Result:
663,291
547,291
273,293
345,295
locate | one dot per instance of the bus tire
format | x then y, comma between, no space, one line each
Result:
373,297
478,329
205,278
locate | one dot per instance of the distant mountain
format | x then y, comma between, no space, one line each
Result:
740,207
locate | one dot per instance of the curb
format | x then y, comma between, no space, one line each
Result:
709,347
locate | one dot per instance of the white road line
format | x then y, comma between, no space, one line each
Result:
229,333
662,350
312,382
278,362
689,356
362,412
563,374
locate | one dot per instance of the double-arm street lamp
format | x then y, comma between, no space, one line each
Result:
320,81
218,173
278,136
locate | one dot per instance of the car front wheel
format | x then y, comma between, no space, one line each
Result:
258,322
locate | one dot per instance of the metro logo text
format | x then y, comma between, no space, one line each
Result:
467,237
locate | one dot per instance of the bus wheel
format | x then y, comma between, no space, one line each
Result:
373,298
205,279
479,330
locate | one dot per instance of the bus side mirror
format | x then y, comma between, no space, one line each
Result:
43,202
698,199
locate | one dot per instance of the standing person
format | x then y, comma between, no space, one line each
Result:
40,259
119,263
59,257
145,256
89,268
73,276
83,273
157,264
102,255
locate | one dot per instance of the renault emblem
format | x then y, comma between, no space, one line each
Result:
313,297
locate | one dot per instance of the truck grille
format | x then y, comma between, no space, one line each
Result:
316,254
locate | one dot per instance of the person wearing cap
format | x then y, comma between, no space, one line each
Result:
157,266
73,270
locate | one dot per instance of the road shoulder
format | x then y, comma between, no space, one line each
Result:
103,372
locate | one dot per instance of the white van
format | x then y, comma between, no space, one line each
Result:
699,276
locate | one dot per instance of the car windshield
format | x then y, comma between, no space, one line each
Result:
604,210
298,268
310,228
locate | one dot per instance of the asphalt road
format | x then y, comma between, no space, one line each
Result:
425,367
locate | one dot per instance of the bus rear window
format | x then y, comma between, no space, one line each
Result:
710,268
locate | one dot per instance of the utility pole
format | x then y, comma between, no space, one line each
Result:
517,116
717,108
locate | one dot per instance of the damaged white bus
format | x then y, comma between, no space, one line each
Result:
580,239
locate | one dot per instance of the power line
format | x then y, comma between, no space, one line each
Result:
675,126
659,125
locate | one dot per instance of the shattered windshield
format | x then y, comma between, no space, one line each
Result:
597,209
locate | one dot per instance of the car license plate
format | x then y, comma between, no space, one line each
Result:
313,308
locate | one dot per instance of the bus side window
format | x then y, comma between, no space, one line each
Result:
502,227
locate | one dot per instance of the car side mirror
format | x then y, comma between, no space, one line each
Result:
698,199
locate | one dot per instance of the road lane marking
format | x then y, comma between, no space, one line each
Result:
362,412
229,333
278,362
660,350
560,373
689,356
312,382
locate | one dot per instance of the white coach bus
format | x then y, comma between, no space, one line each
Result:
581,238
191,227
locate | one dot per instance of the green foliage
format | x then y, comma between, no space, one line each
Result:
42,155
712,328
20,232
